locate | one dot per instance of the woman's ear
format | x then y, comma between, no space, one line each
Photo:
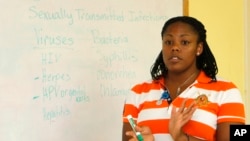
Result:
199,48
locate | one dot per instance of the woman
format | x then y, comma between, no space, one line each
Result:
184,101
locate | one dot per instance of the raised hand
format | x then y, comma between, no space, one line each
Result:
179,117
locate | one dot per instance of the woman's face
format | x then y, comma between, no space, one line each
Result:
180,47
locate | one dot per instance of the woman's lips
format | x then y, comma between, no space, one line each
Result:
174,59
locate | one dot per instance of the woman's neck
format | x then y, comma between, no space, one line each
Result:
176,83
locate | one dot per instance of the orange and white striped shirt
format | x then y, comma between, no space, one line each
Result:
217,102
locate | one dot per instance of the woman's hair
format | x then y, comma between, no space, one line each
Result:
205,61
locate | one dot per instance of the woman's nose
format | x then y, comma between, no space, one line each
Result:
175,47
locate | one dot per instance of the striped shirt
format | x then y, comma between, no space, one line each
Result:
217,102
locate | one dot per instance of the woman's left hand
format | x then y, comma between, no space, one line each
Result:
179,118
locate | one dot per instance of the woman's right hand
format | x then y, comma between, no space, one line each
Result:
144,130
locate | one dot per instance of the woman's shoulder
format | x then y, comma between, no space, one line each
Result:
147,85
221,83
224,82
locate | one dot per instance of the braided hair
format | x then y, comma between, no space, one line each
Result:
205,61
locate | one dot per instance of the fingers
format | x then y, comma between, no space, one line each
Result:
184,112
191,107
132,135
183,104
188,111
183,108
144,130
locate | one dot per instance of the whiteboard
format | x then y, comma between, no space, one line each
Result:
67,66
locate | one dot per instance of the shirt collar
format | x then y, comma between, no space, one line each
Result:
202,78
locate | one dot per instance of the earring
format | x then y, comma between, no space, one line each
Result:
198,53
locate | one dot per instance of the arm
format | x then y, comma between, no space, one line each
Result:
126,127
181,116
223,131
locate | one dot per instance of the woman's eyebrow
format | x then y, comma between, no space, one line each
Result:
182,35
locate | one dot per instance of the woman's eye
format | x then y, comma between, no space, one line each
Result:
185,42
168,42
